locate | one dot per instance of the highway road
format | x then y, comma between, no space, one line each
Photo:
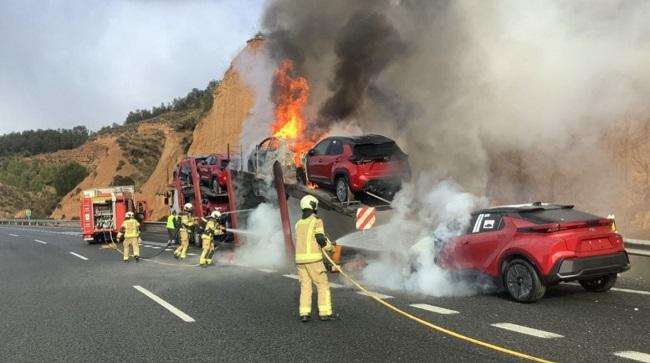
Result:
64,300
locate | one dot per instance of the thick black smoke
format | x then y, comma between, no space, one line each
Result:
364,46
341,44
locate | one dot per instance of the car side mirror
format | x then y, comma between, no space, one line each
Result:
311,152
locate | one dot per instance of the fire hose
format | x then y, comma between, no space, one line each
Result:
430,325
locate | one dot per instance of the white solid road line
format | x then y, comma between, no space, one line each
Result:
267,270
174,310
78,255
526,330
381,296
13,235
41,242
640,292
295,277
637,356
334,285
434,309
630,291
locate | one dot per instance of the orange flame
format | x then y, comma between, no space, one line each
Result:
292,96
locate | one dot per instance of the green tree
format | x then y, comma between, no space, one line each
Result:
68,177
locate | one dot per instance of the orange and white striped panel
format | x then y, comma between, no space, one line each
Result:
366,217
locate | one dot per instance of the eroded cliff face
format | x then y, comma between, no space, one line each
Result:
613,178
233,101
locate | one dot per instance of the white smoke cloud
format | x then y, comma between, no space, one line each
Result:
257,70
424,219
263,244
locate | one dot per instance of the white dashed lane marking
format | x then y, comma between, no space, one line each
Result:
13,235
636,356
78,255
629,291
434,309
41,242
334,285
526,330
267,270
381,296
174,310
295,277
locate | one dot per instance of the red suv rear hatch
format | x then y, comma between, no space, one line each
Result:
381,160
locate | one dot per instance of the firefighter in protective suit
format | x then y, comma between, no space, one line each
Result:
213,229
187,227
130,235
310,239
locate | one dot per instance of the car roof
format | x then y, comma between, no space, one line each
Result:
363,139
523,208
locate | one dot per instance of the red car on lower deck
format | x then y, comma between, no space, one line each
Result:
527,248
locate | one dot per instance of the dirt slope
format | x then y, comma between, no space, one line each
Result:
108,161
233,101
153,189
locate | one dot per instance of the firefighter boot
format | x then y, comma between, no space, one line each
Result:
137,258
305,318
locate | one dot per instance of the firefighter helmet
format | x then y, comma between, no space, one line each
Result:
215,214
309,202
187,207
129,214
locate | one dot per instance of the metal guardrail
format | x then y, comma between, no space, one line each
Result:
157,231
40,222
637,247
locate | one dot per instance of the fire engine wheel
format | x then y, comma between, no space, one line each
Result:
522,281
343,192
599,284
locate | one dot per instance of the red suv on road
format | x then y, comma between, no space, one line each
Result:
211,169
371,163
527,248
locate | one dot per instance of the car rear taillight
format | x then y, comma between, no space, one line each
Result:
547,228
556,227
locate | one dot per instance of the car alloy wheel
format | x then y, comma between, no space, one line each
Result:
342,189
522,281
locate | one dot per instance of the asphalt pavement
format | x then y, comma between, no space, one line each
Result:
64,300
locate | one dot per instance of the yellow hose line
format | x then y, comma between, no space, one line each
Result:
433,326
154,261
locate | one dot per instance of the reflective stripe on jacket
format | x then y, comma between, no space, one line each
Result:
131,228
307,249
171,222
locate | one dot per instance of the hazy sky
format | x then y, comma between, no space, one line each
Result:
90,62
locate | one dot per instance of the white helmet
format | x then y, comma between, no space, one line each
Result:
187,206
215,214
129,214
309,202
